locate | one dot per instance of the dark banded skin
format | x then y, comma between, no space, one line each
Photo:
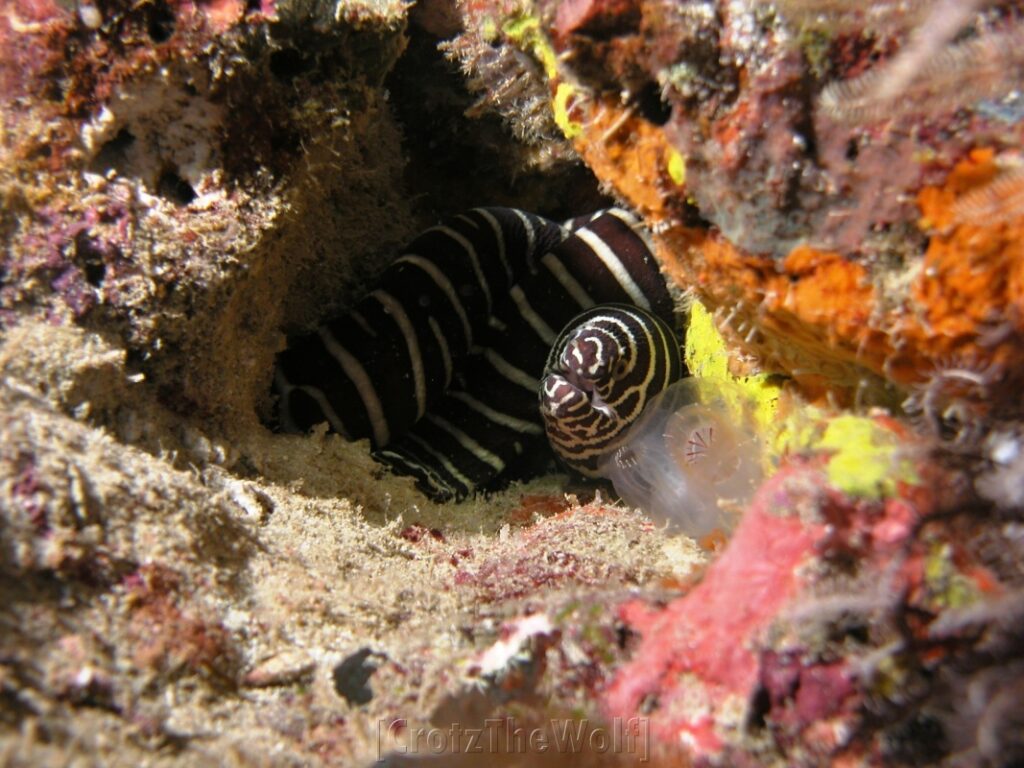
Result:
601,372
440,366
375,371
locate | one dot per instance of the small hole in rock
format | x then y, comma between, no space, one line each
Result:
114,154
919,740
760,706
651,106
288,63
352,676
94,274
284,140
852,150
90,258
171,186
160,24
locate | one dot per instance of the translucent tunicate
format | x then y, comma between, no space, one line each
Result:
693,455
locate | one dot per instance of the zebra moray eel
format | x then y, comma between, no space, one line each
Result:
440,365
601,372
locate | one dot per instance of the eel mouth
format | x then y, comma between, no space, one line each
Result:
588,386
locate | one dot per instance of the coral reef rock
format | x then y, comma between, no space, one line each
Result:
834,189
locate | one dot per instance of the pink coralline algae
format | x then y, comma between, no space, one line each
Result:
547,556
25,490
799,694
767,644
698,653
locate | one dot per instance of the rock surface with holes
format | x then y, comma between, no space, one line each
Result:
159,161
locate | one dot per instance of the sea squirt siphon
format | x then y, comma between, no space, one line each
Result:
692,459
